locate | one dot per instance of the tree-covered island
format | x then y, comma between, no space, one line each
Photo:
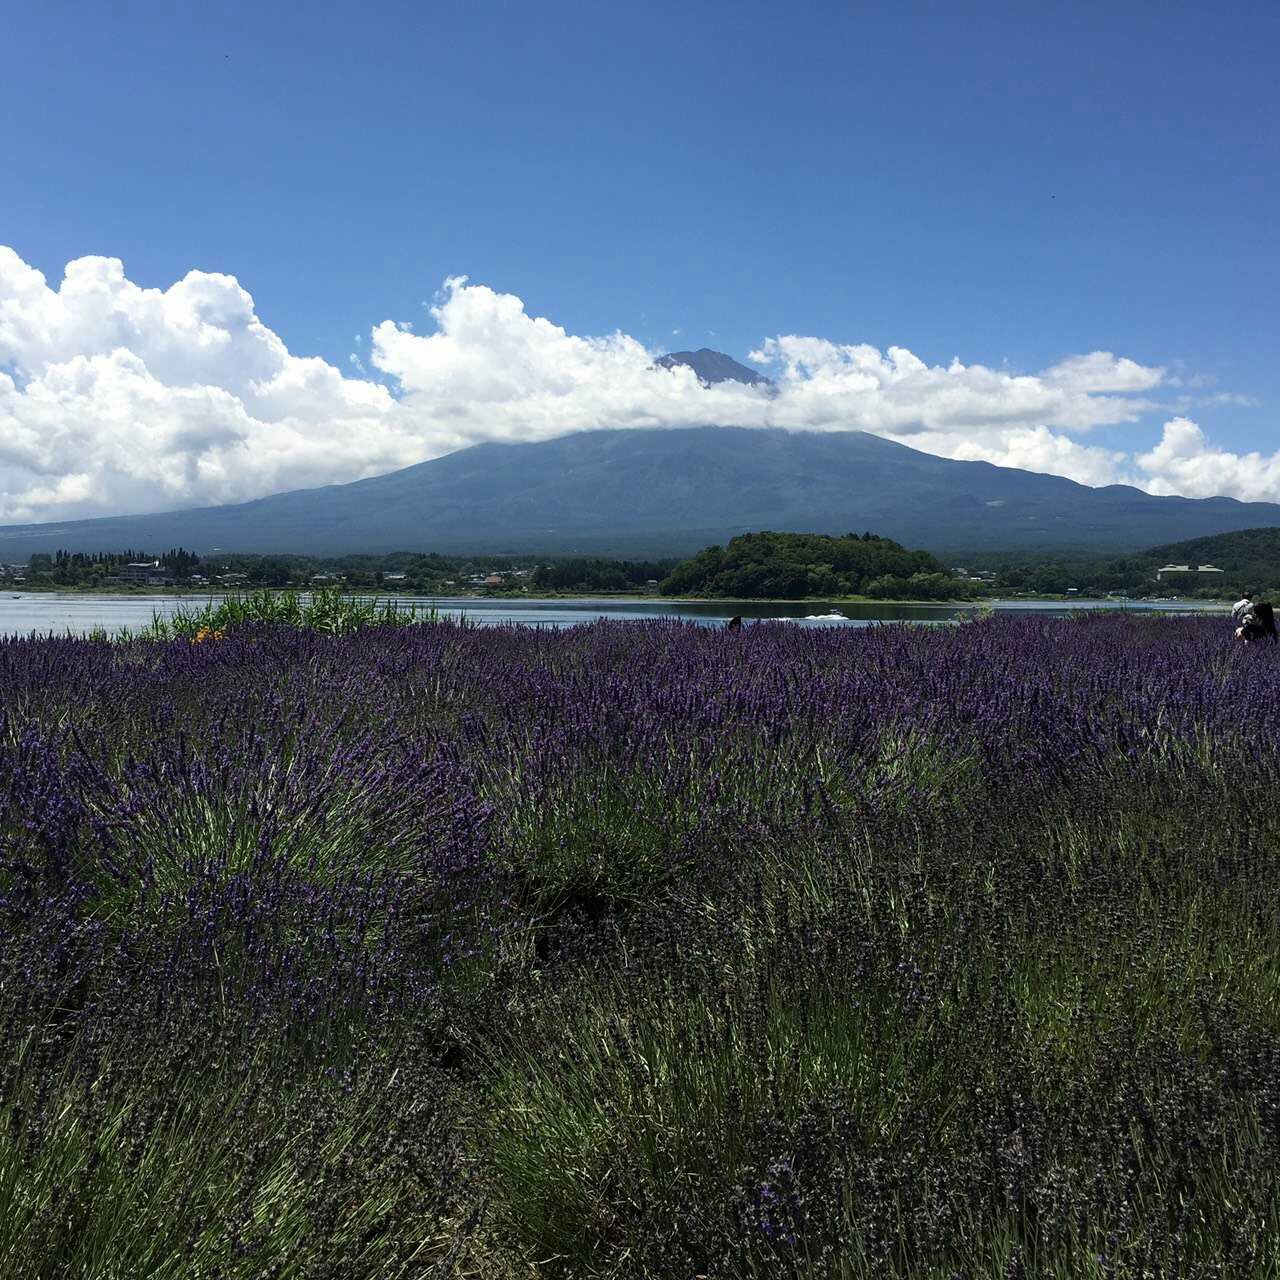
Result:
793,566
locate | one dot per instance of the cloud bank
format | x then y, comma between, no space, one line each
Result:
116,398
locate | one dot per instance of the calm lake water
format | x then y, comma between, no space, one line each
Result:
43,613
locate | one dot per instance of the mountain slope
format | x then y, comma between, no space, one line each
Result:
1250,556
1229,550
665,491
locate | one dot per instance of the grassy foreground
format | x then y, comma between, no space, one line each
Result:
640,950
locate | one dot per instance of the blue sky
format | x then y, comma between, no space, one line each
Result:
1007,184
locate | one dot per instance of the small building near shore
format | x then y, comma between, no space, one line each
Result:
1202,572
147,573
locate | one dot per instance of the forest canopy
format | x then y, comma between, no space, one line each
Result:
793,566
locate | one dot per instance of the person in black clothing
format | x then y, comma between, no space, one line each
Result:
734,624
1260,624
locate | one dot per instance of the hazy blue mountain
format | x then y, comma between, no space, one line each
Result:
714,366
671,491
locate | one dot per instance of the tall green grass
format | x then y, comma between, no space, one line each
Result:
342,1165
327,611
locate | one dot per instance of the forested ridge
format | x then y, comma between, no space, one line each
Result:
790,566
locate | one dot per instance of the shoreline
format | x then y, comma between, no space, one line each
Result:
515,599
723,603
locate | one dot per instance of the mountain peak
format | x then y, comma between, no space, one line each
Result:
713,366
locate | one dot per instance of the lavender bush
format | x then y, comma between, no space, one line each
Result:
641,950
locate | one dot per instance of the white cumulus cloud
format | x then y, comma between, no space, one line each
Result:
1185,462
117,398
823,385
1035,449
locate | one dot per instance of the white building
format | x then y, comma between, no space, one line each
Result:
1173,570
144,572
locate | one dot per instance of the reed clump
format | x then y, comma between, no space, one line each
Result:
328,611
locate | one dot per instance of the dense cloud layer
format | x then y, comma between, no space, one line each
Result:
115,398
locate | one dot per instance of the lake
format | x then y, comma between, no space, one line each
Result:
44,613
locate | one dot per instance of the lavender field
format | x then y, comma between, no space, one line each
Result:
641,950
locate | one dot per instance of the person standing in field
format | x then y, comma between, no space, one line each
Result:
1240,612
1259,624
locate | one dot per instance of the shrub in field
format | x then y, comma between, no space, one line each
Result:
827,1078
327,611
216,1154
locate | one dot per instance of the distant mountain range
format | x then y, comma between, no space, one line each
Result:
670,491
